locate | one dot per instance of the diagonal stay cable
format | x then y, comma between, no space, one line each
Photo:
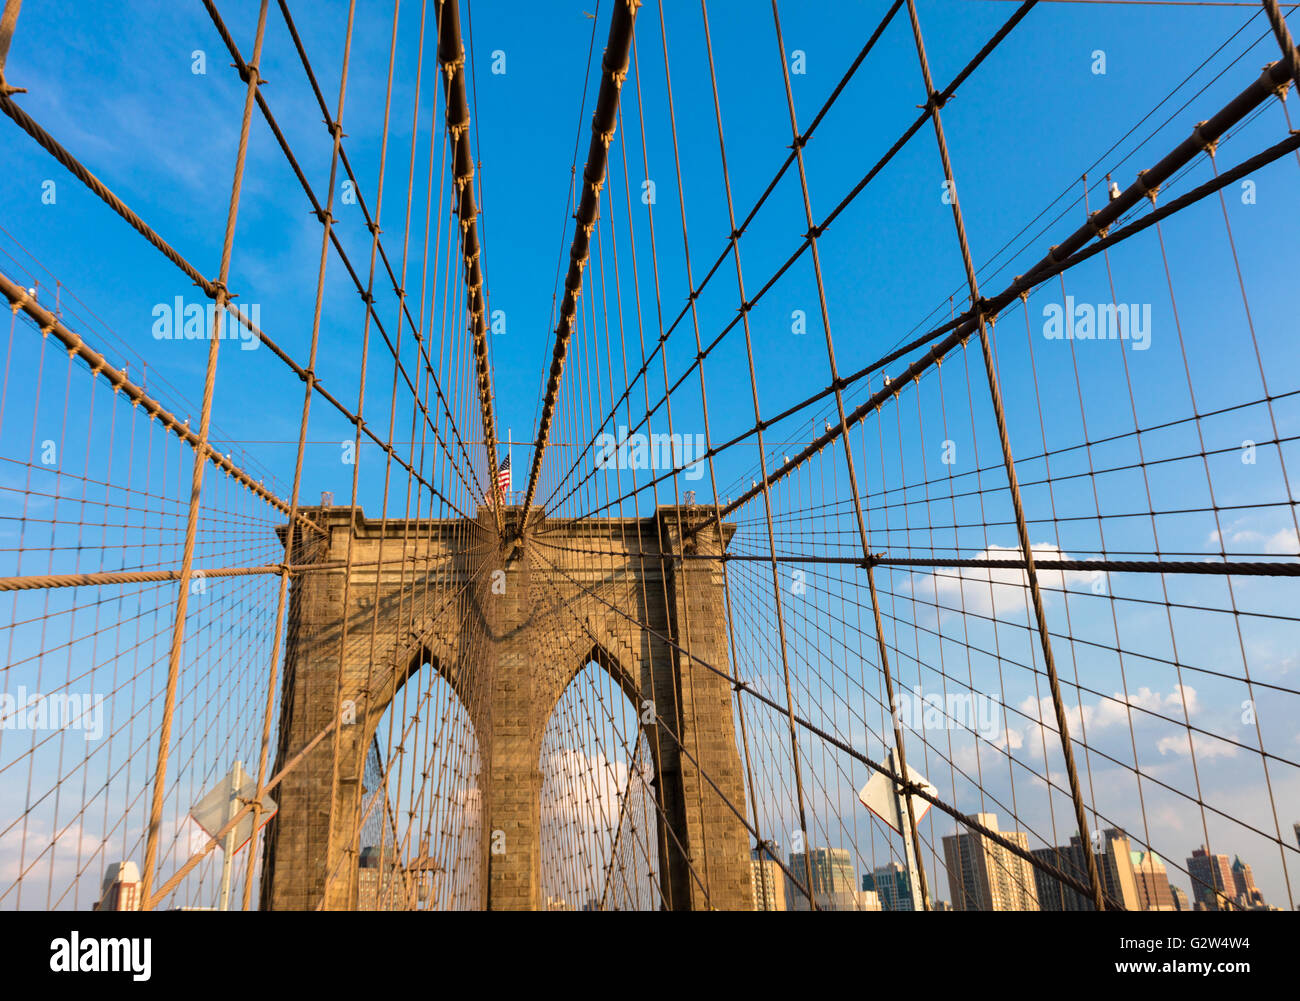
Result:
802,141
908,786
964,324
613,66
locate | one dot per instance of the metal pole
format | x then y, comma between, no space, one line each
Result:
903,803
228,846
898,761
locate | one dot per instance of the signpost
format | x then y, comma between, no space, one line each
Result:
218,808
884,797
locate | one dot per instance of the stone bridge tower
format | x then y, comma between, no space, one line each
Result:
509,630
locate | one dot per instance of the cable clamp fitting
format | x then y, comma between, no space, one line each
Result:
1147,190
1207,145
1099,231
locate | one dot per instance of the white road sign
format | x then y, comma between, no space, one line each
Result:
881,798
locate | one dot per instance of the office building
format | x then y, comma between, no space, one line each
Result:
1243,880
868,900
1213,886
832,880
380,889
767,880
1115,866
1114,860
984,875
891,885
121,889
1153,889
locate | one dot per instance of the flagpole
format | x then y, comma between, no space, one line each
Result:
510,451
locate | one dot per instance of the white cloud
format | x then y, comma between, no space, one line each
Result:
1247,540
1107,712
1000,592
589,787
47,862
1205,745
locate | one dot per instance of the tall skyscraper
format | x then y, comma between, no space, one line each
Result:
832,880
768,881
380,889
891,885
121,889
1243,881
869,900
1114,865
1213,885
1153,889
985,876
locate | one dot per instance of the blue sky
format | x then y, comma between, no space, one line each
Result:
115,84
164,138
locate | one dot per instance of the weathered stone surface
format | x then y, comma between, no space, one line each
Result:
509,630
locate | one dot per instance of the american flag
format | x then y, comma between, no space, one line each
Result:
503,478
